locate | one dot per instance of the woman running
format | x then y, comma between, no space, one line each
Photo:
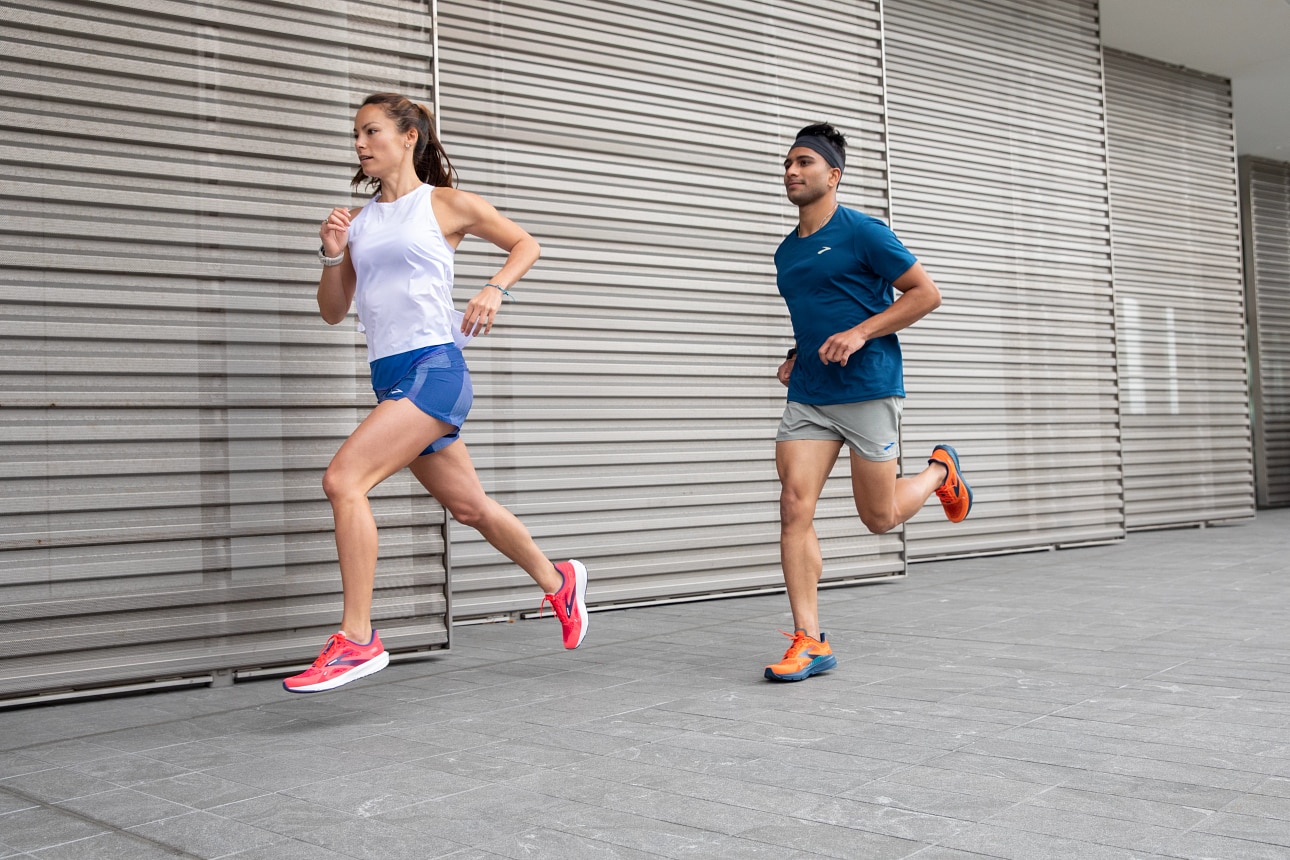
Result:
394,257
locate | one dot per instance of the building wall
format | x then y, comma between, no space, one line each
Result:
1180,315
627,403
998,162
170,397
1265,197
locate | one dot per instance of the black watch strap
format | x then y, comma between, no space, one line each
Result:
792,353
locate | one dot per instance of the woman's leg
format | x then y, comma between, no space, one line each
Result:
389,438
449,475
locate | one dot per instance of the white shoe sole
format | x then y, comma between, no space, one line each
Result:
371,667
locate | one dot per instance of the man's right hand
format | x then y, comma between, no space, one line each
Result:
786,370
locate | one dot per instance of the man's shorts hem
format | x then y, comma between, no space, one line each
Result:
870,428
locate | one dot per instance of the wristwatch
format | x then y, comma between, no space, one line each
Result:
792,353
330,261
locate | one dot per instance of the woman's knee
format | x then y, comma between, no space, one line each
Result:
340,487
470,512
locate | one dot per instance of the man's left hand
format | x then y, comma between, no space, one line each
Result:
841,346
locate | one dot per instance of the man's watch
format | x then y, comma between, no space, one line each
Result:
792,353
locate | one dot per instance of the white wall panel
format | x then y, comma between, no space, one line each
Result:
626,406
1179,294
169,396
999,185
1265,200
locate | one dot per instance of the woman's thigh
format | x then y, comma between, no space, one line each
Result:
389,438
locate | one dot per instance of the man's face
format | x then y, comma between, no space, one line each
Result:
807,177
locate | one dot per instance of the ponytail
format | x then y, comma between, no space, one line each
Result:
429,157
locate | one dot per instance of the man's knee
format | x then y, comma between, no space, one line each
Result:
878,523
795,510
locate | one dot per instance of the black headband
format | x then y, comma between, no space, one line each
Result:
832,154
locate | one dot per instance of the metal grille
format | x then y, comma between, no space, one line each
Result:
1265,199
999,185
627,404
1180,314
170,396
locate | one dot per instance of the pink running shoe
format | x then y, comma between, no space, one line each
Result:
568,602
340,662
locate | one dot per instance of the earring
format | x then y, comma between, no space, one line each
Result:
407,146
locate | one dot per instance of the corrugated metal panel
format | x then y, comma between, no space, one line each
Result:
627,404
998,165
1265,200
170,396
1180,316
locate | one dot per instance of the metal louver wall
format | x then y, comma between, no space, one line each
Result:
1265,204
999,185
1180,316
626,405
170,396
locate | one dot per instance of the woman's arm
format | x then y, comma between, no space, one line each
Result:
336,284
462,213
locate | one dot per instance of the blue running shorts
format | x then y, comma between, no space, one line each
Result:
435,378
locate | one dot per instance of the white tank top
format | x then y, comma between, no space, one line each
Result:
404,268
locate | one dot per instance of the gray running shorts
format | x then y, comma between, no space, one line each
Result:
871,427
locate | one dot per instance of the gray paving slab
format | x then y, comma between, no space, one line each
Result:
1113,702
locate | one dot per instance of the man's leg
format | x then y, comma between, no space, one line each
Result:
804,466
885,501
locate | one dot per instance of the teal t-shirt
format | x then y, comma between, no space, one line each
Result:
833,280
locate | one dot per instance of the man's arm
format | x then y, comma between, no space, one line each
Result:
919,296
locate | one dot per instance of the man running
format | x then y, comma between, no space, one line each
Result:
836,272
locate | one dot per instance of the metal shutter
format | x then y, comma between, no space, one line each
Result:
1180,314
170,396
1265,201
626,405
998,164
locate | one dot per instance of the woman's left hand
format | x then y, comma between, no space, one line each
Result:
481,312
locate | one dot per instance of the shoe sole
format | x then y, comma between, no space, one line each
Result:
954,455
371,667
579,596
819,664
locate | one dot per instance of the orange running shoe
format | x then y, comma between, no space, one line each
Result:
804,658
340,662
955,494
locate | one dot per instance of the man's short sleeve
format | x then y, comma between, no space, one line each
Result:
878,248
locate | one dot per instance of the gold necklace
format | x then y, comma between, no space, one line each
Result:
826,220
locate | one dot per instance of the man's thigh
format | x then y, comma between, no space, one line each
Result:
874,486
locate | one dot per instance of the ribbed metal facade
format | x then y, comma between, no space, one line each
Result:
999,185
1265,200
1179,291
627,403
170,395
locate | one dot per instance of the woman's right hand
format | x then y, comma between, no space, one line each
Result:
334,232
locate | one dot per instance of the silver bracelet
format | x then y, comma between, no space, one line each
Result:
330,261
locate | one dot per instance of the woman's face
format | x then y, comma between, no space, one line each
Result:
380,146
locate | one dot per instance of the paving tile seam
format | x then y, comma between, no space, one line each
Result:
89,819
